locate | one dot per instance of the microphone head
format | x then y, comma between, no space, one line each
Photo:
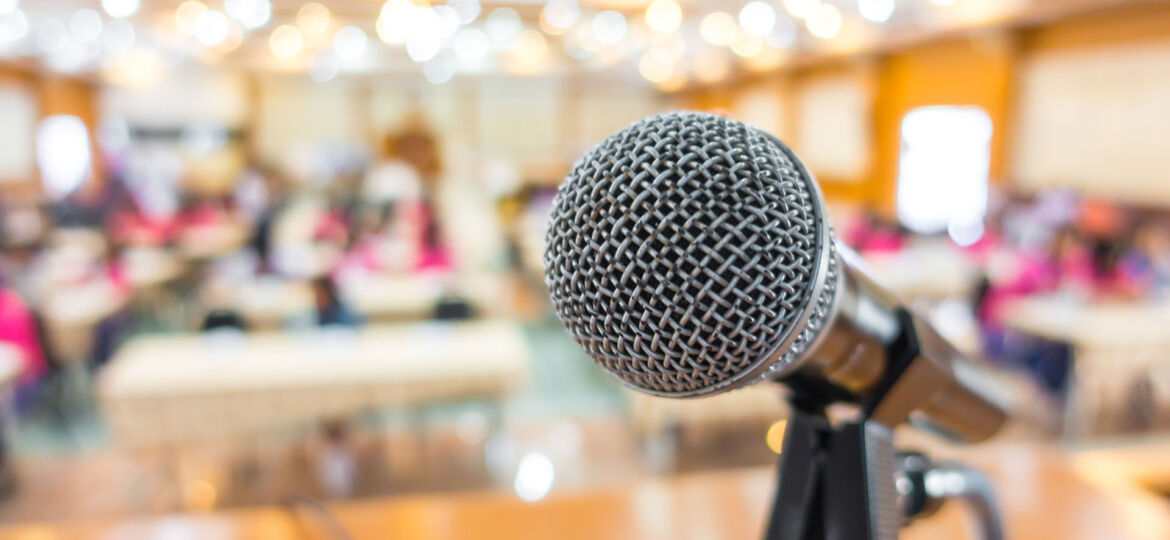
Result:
689,254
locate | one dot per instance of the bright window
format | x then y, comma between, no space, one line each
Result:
942,172
63,154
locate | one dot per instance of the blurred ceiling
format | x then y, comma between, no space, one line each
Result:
671,44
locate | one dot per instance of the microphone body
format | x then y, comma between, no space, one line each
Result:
858,350
691,254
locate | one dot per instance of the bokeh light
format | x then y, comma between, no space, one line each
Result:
800,8
559,16
120,8
663,15
878,11
313,19
609,27
349,42
757,18
824,21
187,15
286,41
717,28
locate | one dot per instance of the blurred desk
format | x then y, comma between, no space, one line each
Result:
1120,378
11,364
208,241
71,313
166,389
268,302
415,296
1042,497
933,270
652,414
1092,324
150,267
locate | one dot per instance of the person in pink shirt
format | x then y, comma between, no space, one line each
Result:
433,255
1074,262
18,328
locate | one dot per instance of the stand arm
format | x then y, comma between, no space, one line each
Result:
956,480
923,486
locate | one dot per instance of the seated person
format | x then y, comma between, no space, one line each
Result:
329,309
223,319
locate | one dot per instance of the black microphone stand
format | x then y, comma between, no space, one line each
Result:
845,482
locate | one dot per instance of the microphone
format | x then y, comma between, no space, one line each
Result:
691,254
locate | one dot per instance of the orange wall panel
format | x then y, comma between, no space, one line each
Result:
970,71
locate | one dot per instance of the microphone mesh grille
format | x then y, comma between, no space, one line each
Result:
682,251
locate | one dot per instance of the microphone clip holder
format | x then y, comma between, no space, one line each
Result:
846,482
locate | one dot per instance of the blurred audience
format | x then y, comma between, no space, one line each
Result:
330,309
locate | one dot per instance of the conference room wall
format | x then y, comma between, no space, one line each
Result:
1093,110
18,107
48,95
981,68
839,98
538,125
976,71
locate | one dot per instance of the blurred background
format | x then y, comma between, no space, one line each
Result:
257,251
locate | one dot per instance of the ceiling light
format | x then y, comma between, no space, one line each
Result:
323,66
824,21
448,21
440,69
783,35
285,41
313,19
52,36
717,28
757,18
120,8
711,65
471,45
187,15
118,36
656,66
349,42
745,44
212,28
394,21
877,11
609,27
13,26
558,16
663,15
250,13
233,39
85,26
528,52
423,39
800,8
467,10
502,26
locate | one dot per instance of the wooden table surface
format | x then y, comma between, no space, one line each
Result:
183,387
1044,493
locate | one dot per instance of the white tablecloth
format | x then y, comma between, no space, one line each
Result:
162,389
1121,354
